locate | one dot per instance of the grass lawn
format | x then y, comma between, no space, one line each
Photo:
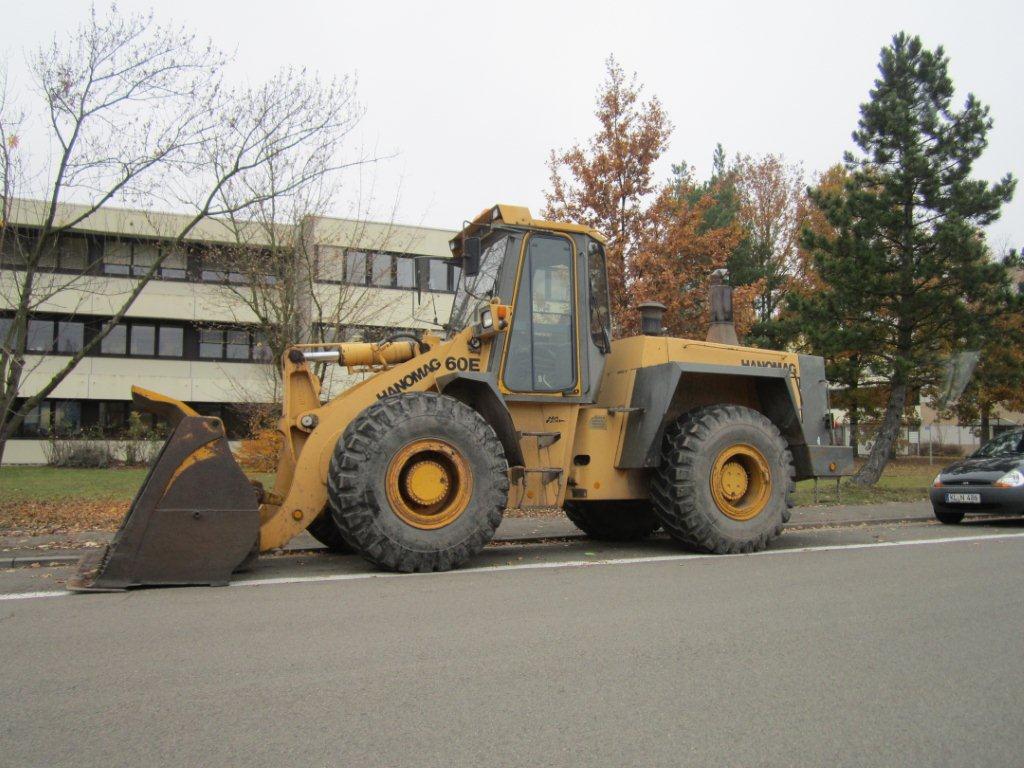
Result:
904,480
47,499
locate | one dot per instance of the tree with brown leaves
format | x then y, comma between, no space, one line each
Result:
609,184
678,253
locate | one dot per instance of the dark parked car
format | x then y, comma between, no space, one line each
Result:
989,480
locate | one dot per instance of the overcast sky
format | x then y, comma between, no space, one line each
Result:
471,98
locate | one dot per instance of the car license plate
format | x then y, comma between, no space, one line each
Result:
963,498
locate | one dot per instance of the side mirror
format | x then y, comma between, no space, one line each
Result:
471,256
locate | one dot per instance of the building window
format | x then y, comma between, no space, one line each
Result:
40,336
261,350
117,258
67,416
113,415
70,337
37,421
174,266
70,254
330,263
381,270
143,340
367,333
355,267
115,342
236,344
125,258
172,341
12,248
439,276
140,340
211,343
62,417
210,275
405,272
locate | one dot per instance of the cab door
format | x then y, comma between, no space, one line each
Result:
540,373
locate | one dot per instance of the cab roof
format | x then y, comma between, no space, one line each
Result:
517,216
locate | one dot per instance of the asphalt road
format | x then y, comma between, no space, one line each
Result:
854,652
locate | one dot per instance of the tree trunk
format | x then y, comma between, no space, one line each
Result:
303,256
986,425
886,438
855,430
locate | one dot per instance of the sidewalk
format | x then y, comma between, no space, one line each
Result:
68,547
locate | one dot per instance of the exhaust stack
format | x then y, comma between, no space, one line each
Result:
651,313
722,329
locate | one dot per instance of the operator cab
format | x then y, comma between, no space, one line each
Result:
555,277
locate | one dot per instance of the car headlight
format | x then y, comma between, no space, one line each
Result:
1012,479
937,482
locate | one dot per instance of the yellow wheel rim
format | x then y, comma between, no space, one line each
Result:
428,484
741,482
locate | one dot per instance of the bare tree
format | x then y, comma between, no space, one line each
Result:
134,111
286,274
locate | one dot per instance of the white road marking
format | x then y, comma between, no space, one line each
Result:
569,564
32,595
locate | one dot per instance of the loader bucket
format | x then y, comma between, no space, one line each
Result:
195,519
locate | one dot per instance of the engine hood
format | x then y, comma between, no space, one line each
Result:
983,469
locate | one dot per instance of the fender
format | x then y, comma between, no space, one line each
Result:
661,395
479,392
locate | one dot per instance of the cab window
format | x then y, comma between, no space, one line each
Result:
541,356
600,314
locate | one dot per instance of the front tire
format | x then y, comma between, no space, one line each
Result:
948,517
418,482
725,480
613,520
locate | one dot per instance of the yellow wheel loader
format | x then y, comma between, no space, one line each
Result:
524,401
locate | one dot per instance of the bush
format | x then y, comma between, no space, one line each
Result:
140,443
259,453
87,448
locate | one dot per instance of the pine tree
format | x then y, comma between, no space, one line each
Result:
908,273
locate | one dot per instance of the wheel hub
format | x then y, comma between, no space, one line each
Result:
741,482
734,480
428,484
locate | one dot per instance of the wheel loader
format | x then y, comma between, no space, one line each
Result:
524,400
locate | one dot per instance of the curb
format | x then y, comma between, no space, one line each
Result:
851,523
59,560
27,561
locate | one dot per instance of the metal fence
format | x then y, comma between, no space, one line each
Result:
926,441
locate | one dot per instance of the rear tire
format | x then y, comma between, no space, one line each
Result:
324,530
613,520
725,480
947,517
418,482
